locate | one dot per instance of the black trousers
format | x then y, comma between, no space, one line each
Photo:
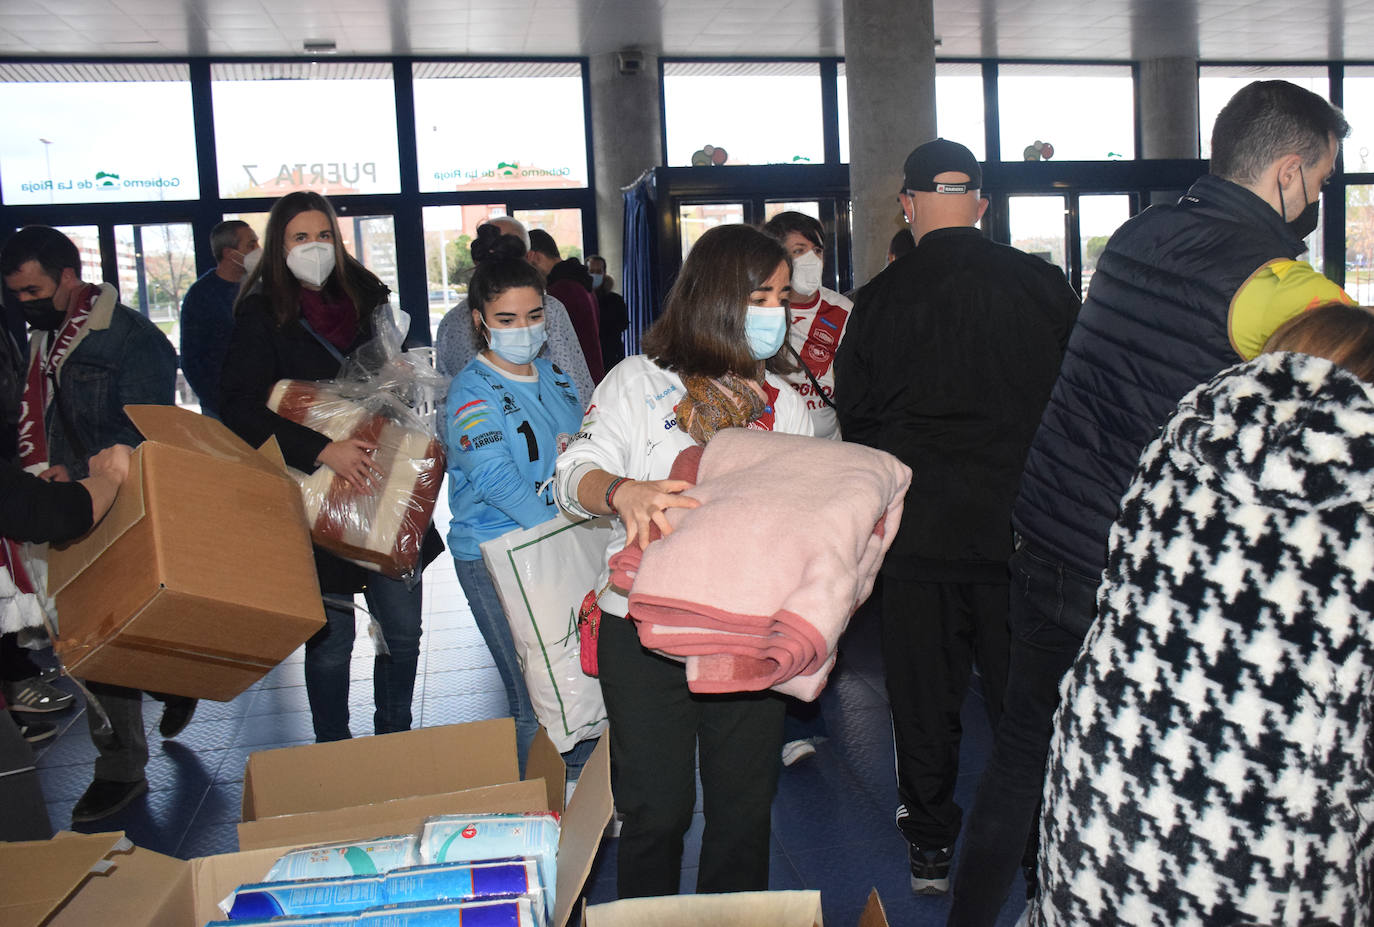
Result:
657,728
932,635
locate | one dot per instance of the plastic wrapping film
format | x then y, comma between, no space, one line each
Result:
388,397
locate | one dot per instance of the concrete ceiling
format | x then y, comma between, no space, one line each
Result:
1267,30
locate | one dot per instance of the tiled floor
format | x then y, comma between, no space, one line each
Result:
832,820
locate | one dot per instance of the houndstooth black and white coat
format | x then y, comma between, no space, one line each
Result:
1212,760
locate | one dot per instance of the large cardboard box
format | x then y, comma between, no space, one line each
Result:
77,880
742,909
201,578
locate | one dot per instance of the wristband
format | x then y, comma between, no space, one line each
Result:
610,491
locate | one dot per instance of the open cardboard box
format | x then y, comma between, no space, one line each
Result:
742,909
306,795
201,577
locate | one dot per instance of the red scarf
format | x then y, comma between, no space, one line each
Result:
43,366
33,436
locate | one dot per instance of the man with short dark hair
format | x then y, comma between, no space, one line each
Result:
1180,293
570,283
89,357
207,310
946,363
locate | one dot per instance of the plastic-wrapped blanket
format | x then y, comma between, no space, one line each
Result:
382,530
753,588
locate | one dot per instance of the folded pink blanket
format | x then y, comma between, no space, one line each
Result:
754,587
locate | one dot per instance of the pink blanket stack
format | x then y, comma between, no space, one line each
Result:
753,588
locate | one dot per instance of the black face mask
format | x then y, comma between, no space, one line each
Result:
1305,222
41,315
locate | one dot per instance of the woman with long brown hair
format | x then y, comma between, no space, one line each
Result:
712,361
304,307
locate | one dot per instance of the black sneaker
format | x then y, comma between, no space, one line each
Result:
104,797
930,870
35,696
33,731
176,714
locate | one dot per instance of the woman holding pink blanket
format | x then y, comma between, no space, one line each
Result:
711,361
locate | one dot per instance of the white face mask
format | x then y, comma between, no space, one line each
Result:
806,273
312,262
251,260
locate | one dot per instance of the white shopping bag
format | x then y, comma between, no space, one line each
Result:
541,575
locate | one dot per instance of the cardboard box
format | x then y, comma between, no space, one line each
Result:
201,578
743,909
76,880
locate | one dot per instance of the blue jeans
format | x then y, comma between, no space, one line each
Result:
328,654
1051,609
491,621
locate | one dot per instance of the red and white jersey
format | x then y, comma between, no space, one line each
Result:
815,333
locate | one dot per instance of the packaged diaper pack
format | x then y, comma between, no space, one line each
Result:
451,860
340,859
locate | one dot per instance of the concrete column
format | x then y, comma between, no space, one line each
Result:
627,138
890,72
1168,108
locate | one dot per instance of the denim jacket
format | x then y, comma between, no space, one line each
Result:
121,359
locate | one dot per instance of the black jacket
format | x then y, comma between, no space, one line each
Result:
946,363
1155,324
261,353
611,326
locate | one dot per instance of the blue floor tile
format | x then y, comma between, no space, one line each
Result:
832,824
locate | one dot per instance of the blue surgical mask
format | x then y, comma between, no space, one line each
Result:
766,328
596,281
517,345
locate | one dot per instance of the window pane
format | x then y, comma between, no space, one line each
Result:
1218,83
565,225
694,220
500,125
755,112
156,265
1086,112
811,208
1037,227
1359,98
1359,242
327,127
85,133
449,231
958,107
1098,217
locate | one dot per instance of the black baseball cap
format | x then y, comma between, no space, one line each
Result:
937,157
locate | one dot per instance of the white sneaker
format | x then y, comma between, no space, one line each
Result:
796,750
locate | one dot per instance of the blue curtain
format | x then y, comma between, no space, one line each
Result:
641,259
